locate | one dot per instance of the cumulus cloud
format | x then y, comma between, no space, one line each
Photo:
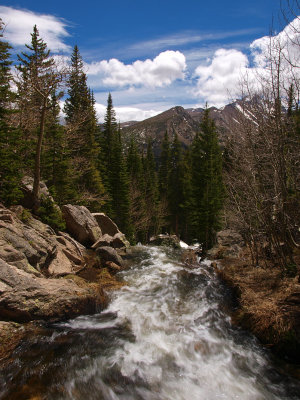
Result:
220,79
287,41
126,113
164,69
19,24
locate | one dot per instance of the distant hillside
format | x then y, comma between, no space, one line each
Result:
184,122
176,120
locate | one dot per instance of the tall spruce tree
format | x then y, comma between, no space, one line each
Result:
56,169
39,78
176,191
106,139
207,183
164,167
137,202
119,187
10,162
155,210
81,131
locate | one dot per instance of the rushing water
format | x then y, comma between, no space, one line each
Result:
165,336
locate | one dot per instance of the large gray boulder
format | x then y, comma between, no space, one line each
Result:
118,241
166,240
34,247
229,244
27,247
106,225
81,224
24,297
109,254
27,190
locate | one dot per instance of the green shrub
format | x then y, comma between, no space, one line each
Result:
25,216
50,214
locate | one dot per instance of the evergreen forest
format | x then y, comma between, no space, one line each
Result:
251,183
83,162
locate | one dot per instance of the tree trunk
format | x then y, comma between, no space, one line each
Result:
37,165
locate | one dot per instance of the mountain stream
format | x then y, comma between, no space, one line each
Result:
165,336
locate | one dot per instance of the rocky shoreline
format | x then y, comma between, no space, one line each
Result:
51,276
268,301
48,275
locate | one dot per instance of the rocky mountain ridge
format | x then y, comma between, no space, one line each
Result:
184,123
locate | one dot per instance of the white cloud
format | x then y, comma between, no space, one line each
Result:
220,79
126,113
187,37
164,69
287,41
19,24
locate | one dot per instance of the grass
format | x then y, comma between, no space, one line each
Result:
263,295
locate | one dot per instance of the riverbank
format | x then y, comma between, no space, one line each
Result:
166,335
48,275
268,301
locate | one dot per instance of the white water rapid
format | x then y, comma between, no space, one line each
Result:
165,336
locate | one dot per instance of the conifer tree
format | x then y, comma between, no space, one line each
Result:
106,138
81,131
207,184
119,187
10,163
39,77
137,202
155,210
56,170
176,185
187,196
165,167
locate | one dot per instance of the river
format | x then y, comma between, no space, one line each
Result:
165,336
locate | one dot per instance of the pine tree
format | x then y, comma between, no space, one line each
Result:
176,191
155,210
56,169
106,138
207,184
10,163
119,187
137,202
81,131
165,167
187,196
39,77
77,104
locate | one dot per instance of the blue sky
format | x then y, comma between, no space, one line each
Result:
151,55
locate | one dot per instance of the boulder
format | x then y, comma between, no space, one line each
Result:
24,297
27,189
81,224
105,240
106,225
26,247
229,244
69,258
166,240
229,237
5,214
35,248
61,265
109,254
118,241
112,267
